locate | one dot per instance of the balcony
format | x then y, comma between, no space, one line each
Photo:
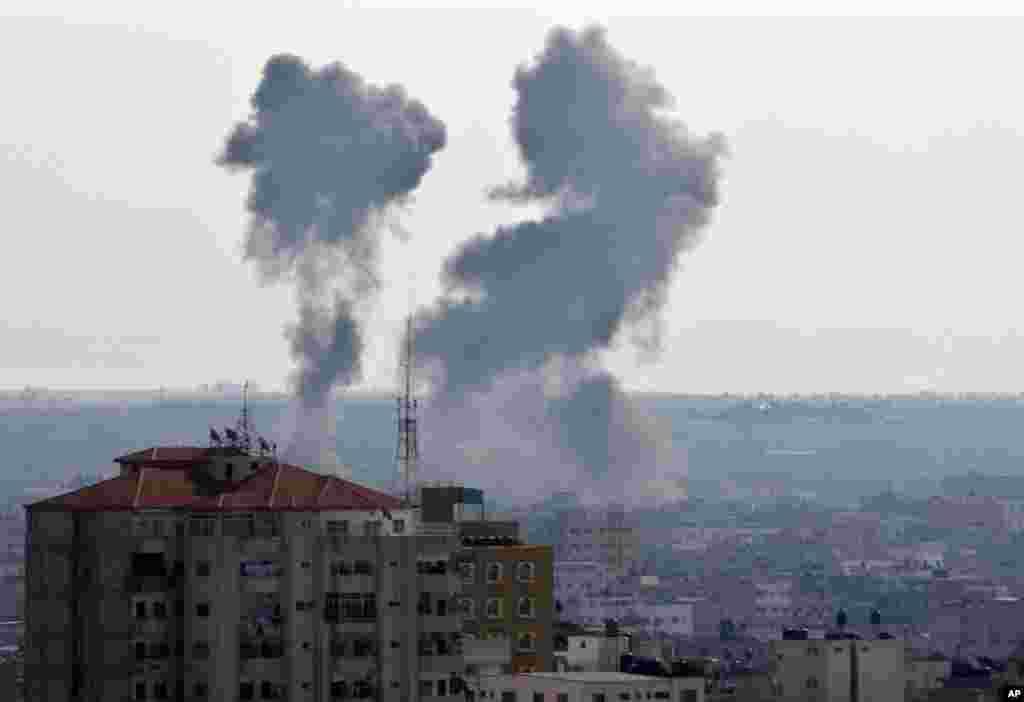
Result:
487,652
150,626
254,649
344,691
141,584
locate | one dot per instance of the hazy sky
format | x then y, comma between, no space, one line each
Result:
867,238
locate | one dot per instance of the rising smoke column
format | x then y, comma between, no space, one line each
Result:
627,190
329,156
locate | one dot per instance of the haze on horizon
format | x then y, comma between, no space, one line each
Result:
864,242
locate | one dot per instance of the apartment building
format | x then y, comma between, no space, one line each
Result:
506,593
213,574
839,670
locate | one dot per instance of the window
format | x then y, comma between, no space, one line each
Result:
160,610
140,610
337,528
140,651
371,528
527,642
510,696
363,568
199,690
246,691
160,690
526,608
200,650
688,696
442,608
203,569
527,572
307,523
203,609
140,690
306,564
812,683
468,608
398,526
442,688
179,608
266,690
562,697
426,688
493,572
624,696
468,572
202,526
597,697
229,472
395,644
538,697
493,608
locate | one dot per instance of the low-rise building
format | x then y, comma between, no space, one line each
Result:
840,669
588,687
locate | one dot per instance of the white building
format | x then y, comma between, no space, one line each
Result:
592,652
588,687
675,619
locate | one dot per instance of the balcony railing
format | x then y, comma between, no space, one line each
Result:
341,691
149,583
267,648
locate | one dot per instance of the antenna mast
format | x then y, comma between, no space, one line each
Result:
243,421
407,453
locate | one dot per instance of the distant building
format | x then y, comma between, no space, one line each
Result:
605,536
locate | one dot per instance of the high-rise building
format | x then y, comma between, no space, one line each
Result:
218,574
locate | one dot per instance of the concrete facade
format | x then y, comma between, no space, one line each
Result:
589,687
506,593
279,603
822,670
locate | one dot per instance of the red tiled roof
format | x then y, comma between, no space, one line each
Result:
274,486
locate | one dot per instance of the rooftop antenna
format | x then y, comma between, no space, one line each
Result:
407,453
244,426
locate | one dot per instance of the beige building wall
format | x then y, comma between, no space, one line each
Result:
819,670
95,613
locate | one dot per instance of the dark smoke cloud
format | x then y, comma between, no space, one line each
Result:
627,190
329,155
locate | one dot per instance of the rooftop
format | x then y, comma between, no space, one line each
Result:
596,677
166,478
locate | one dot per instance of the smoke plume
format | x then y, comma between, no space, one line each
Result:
626,190
329,155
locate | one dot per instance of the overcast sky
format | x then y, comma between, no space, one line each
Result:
868,237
